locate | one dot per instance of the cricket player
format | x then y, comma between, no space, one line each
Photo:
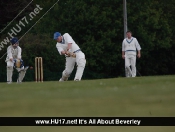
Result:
130,48
73,54
14,60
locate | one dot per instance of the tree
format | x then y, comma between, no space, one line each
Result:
97,27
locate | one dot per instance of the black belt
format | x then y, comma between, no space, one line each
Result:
77,50
130,50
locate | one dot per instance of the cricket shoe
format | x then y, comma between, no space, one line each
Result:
62,80
18,82
25,69
9,82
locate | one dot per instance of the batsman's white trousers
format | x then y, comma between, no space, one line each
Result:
70,63
10,63
130,60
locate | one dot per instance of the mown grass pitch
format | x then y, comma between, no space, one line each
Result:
128,97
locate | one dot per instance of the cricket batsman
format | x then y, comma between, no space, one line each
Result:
130,48
73,55
14,60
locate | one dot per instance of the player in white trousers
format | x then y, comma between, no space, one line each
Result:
130,48
65,45
13,59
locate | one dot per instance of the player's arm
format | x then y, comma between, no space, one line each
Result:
123,50
138,49
123,54
60,49
68,52
19,53
63,52
69,47
69,39
139,54
9,53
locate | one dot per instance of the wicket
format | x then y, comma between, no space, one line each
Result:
38,69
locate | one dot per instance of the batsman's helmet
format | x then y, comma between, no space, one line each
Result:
14,41
56,35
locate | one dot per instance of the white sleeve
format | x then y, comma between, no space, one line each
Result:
123,45
68,38
19,52
9,52
59,48
137,44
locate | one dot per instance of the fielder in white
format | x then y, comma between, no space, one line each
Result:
73,54
14,60
130,48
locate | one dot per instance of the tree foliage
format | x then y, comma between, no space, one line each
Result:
97,27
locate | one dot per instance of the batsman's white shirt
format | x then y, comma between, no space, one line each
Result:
70,61
62,46
129,46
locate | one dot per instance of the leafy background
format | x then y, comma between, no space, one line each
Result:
97,27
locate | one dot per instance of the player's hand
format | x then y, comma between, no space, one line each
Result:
123,56
139,55
67,52
70,54
63,52
11,59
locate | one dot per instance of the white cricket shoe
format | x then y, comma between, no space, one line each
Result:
25,69
9,82
61,80
20,69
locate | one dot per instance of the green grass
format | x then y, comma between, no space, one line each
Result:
127,97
